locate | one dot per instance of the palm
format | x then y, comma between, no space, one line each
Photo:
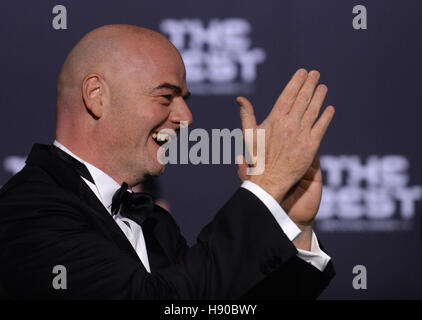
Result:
302,201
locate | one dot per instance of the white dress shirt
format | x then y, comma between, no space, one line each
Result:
105,187
316,256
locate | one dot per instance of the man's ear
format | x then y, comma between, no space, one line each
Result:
95,94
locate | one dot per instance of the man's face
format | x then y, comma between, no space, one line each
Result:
146,99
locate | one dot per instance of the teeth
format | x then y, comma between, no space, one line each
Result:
161,136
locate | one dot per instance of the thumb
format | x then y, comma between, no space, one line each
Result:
247,116
242,167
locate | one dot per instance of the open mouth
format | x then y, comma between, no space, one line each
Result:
160,138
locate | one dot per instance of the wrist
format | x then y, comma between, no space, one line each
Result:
304,240
304,226
275,190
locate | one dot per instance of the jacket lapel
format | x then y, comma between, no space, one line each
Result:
157,234
68,178
166,232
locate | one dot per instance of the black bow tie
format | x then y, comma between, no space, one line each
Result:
136,206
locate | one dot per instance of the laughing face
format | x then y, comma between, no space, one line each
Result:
148,98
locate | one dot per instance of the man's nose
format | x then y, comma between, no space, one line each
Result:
180,112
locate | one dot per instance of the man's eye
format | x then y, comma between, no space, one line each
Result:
167,96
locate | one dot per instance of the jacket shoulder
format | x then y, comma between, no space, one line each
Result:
32,191
29,175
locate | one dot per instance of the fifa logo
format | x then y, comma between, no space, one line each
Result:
219,57
372,194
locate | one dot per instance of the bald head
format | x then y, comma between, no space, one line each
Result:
107,51
118,86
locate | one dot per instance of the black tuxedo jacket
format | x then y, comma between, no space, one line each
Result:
49,217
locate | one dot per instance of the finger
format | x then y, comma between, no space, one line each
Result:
322,124
248,120
242,167
314,108
247,116
315,163
289,94
305,95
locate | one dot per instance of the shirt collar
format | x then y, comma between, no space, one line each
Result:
104,187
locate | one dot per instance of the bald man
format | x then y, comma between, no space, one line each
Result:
71,227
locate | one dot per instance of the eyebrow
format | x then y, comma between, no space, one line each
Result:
176,89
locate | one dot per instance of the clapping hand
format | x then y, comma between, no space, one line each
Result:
293,133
